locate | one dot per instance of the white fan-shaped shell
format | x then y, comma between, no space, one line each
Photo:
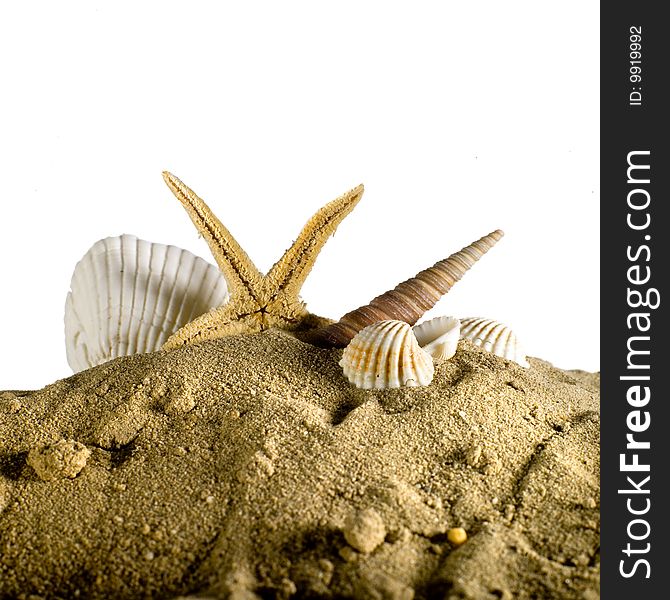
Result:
439,336
127,296
386,355
494,337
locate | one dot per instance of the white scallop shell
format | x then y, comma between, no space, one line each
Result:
439,336
494,337
127,296
386,355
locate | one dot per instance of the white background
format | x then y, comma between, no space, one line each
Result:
459,117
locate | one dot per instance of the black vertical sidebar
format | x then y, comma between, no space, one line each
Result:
635,267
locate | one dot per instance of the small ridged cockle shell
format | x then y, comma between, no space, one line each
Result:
439,336
409,300
386,355
495,337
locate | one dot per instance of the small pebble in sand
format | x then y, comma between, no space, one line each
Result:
63,459
402,535
118,429
4,496
473,455
457,536
364,530
377,584
9,403
179,404
348,554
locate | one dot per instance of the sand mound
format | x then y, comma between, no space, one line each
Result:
249,468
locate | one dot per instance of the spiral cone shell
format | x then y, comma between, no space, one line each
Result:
495,337
127,296
409,300
386,355
439,336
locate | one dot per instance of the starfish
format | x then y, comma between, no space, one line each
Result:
257,301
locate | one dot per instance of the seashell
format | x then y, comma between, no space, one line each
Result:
409,300
386,355
494,337
128,296
439,336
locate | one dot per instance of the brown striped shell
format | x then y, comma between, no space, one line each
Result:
409,300
386,355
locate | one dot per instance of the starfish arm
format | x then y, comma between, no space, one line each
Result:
288,274
217,323
241,274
